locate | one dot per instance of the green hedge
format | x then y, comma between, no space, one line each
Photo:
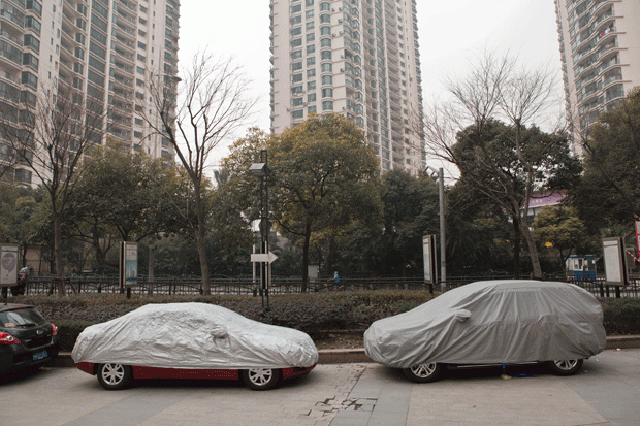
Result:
313,313
621,316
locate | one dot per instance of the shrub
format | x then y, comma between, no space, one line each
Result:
313,313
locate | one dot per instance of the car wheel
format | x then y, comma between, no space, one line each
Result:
261,378
424,373
565,367
114,376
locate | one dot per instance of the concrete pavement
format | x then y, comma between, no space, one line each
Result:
604,393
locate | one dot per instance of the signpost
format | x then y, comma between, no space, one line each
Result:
9,257
429,260
128,266
615,265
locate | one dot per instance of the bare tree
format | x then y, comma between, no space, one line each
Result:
496,89
52,136
212,103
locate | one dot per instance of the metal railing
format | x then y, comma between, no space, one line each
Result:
191,285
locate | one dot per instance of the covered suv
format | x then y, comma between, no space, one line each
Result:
26,338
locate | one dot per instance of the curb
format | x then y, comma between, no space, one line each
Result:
345,356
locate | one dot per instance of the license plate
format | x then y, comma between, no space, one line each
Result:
39,355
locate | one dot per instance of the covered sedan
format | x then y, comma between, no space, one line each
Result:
192,341
493,322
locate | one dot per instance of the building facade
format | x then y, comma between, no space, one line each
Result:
600,53
104,49
358,58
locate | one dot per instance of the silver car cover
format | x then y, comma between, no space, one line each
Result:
492,322
193,335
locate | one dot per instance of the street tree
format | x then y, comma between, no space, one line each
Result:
514,164
121,197
325,173
609,191
479,235
560,226
411,210
52,137
212,103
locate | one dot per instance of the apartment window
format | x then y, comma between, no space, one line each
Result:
296,66
309,3
327,105
326,55
311,25
296,20
296,42
295,90
310,14
325,42
311,72
31,22
327,92
296,8
325,18
312,108
296,78
31,41
297,101
30,60
325,30
22,176
311,37
311,85
311,61
325,6
326,67
78,52
296,31
296,54
311,48
327,80
29,79
298,114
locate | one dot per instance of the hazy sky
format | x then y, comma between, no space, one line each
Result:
450,33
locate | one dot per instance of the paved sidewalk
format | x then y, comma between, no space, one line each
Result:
604,393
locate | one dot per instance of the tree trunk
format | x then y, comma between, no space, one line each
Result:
533,250
200,243
305,259
57,244
516,248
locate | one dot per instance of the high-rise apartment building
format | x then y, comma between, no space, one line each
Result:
104,49
600,52
358,58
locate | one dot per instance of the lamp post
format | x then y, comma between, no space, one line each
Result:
443,245
261,171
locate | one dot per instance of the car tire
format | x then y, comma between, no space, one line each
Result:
114,376
261,378
424,373
565,367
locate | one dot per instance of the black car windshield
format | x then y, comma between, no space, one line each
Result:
20,318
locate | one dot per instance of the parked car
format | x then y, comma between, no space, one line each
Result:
192,341
27,340
493,322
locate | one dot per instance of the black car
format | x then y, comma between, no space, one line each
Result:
26,338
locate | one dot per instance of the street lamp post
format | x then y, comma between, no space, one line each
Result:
443,245
261,171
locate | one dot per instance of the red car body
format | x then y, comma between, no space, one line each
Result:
150,373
